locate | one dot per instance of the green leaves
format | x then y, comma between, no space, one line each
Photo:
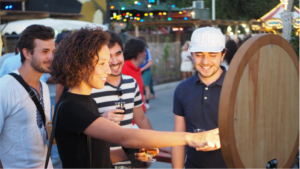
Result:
235,9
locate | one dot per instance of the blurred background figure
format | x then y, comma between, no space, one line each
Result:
153,95
238,42
11,63
186,62
135,55
231,49
227,38
5,56
246,38
59,87
146,73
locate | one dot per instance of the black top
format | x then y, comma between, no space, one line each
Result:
199,104
74,116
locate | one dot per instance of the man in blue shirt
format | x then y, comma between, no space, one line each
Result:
196,100
146,73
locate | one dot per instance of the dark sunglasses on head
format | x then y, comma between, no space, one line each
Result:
119,92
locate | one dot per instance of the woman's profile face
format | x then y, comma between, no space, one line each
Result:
186,46
98,77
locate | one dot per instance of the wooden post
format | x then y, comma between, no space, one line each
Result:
178,36
260,28
136,30
236,31
23,5
157,36
0,44
196,25
5,44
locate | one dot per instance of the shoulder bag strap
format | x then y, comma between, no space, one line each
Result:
31,94
89,148
52,134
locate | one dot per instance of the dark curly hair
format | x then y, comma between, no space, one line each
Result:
133,47
76,52
114,38
31,33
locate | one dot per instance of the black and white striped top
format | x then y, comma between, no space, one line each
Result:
107,96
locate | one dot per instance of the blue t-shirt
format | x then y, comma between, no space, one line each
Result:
148,58
199,104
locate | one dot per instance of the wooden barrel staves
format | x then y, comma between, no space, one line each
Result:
259,104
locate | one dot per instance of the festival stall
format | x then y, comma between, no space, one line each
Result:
271,22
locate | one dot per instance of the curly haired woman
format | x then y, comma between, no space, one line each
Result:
82,63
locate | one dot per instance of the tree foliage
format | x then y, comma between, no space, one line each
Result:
235,9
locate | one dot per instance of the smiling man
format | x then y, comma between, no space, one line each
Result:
196,100
22,131
120,87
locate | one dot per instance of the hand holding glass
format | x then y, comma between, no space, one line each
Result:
120,105
150,153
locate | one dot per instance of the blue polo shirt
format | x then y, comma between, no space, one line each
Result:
199,104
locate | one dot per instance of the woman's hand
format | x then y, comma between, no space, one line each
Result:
205,141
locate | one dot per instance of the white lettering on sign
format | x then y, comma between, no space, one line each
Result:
205,38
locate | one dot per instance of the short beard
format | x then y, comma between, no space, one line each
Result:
210,75
120,73
115,75
37,66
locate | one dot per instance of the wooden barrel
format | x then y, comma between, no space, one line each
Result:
259,104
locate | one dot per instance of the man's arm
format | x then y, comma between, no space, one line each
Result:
117,155
178,152
141,119
147,65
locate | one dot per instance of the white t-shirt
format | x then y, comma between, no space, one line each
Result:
22,142
184,55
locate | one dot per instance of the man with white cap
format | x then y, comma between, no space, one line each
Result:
196,100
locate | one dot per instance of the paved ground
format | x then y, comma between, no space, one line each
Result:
160,113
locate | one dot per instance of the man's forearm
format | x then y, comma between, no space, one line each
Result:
117,155
149,64
144,123
178,156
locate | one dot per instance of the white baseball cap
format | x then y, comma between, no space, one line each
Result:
207,39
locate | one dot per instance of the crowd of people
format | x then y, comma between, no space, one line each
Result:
94,71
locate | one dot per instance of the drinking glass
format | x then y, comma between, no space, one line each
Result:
199,130
120,105
151,152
